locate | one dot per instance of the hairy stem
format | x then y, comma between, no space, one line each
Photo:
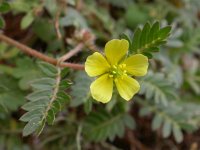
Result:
39,55
72,52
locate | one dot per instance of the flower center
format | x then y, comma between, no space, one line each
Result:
117,71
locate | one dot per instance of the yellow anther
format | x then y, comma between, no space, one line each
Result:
111,76
114,72
116,80
124,65
115,67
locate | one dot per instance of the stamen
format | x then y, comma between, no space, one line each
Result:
114,72
120,66
115,67
118,71
111,76
124,65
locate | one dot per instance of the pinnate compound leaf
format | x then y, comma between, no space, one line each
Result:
149,38
47,99
102,125
155,86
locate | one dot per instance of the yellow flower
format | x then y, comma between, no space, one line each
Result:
116,69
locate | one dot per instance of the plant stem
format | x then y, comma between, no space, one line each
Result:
72,52
39,55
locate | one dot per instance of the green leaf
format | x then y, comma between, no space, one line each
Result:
177,133
64,72
48,69
46,100
44,83
39,94
56,106
167,128
153,49
4,7
136,40
82,87
88,106
21,5
149,55
65,84
32,114
63,98
164,32
149,38
40,128
157,122
2,22
172,117
102,125
129,121
50,117
144,111
11,97
74,18
27,20
26,71
32,125
156,86
40,103
41,27
154,31
144,35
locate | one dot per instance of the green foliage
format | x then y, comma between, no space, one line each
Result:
191,40
171,70
82,87
11,142
148,39
169,94
140,15
7,52
2,22
155,86
102,124
11,97
27,20
73,18
4,7
118,3
23,73
40,27
174,118
46,100
24,5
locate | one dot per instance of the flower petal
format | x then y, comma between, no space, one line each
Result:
102,88
137,65
127,87
115,50
96,64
